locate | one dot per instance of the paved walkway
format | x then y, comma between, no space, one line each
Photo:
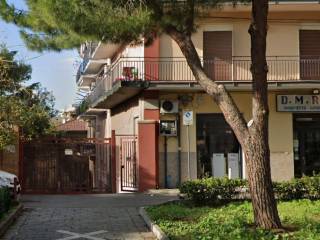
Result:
95,217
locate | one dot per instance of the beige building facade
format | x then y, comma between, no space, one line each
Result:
138,84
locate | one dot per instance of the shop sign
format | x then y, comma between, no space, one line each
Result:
298,103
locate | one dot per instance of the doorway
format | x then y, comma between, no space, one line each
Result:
129,166
218,150
306,144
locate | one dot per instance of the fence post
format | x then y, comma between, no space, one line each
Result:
113,162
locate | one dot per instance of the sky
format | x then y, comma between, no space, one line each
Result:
54,70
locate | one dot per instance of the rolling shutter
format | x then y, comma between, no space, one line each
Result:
309,54
217,54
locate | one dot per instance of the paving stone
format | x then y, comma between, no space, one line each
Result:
117,214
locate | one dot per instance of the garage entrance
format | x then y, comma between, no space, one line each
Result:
66,166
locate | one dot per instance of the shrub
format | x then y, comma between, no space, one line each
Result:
299,188
289,190
5,200
312,187
209,191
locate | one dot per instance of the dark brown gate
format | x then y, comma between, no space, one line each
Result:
66,166
128,158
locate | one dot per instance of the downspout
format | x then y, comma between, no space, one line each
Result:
179,149
135,118
165,162
136,167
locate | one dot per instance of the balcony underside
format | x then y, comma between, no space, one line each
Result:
233,85
92,113
124,90
85,81
120,92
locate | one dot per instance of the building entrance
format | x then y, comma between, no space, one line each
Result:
218,151
306,144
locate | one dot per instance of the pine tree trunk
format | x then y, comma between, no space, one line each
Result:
259,178
254,139
258,152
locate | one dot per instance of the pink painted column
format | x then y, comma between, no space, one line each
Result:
148,155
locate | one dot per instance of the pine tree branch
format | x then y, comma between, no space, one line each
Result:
219,93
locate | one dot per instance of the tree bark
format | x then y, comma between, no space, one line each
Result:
219,93
254,140
257,152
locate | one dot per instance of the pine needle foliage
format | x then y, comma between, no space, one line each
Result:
65,24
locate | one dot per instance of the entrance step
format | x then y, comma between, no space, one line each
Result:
167,192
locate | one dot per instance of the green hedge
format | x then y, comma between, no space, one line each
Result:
211,190
208,191
299,188
5,200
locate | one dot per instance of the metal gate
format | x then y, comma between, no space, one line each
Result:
66,166
128,158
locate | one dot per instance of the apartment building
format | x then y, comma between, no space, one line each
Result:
167,129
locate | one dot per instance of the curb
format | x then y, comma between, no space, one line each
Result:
152,226
8,220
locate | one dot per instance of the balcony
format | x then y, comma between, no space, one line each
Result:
137,73
94,55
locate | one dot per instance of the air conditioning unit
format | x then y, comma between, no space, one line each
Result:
169,106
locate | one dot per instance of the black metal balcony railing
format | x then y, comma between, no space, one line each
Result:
235,69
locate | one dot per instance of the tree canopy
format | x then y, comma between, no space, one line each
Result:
25,107
62,24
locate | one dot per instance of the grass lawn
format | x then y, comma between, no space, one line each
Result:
234,221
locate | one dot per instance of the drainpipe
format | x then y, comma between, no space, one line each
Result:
179,149
134,124
136,167
165,162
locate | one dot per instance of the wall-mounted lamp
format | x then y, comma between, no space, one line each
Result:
315,91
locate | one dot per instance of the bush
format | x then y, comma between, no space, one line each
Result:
312,187
289,190
209,191
5,200
299,188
